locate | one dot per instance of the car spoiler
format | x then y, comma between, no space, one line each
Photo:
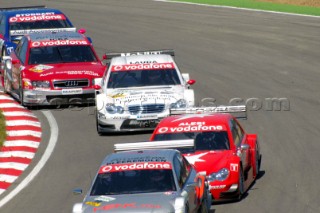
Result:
172,144
109,56
241,110
22,8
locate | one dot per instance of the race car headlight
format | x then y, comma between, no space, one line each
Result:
179,104
112,109
221,175
40,84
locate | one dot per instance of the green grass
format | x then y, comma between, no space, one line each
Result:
253,4
2,129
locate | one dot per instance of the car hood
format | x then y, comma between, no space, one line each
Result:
148,202
65,71
145,95
210,161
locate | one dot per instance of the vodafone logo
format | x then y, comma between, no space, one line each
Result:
36,18
106,169
58,43
135,166
152,66
197,128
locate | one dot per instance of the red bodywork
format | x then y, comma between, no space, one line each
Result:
23,73
237,158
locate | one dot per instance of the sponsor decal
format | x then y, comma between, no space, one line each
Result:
147,117
190,128
170,193
96,204
40,68
234,167
135,166
104,199
153,66
118,95
218,187
71,91
58,43
23,32
46,74
78,72
36,18
126,206
195,158
121,117
35,14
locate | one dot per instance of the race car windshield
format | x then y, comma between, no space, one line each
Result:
49,24
202,140
142,78
133,182
61,54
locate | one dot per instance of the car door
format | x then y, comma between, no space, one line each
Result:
19,60
182,169
240,141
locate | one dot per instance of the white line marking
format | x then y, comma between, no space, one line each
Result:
22,154
8,178
24,133
23,123
51,145
13,143
240,8
13,165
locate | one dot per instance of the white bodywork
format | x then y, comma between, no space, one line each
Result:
157,99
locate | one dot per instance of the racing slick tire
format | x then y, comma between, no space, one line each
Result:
97,125
241,184
204,206
21,97
5,82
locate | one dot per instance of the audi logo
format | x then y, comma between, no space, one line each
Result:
71,83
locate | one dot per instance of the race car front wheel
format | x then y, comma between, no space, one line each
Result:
241,183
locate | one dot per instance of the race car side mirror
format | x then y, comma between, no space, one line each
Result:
77,191
15,61
82,31
191,81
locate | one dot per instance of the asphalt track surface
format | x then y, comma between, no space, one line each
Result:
232,54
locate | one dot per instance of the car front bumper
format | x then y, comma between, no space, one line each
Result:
56,97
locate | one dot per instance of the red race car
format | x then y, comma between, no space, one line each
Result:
52,69
230,157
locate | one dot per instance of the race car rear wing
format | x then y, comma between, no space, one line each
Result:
240,109
109,56
172,144
22,8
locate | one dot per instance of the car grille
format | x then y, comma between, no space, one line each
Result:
73,83
146,109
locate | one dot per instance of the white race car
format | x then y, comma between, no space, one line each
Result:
138,90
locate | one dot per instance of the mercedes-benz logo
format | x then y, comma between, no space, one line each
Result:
71,83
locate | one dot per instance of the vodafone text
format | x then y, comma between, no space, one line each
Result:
189,129
135,166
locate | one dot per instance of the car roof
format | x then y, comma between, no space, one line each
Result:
14,11
142,59
209,119
159,155
56,36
